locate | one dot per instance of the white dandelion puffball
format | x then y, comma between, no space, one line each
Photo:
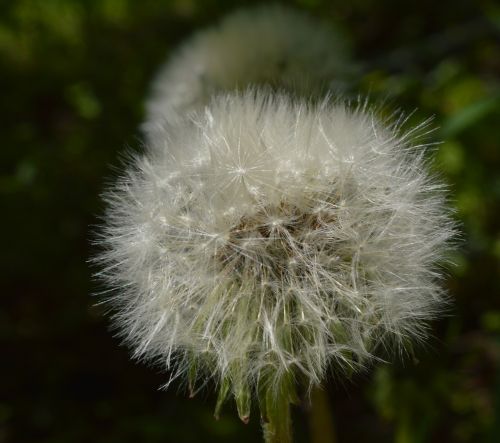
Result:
268,239
263,45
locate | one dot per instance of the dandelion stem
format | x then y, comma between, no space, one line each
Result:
321,418
277,422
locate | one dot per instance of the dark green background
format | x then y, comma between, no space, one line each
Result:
73,76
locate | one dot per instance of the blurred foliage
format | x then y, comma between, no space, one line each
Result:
74,77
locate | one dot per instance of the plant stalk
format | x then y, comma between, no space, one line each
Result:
277,422
321,418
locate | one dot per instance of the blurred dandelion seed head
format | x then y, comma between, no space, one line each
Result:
268,45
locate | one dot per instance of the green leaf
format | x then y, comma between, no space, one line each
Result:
469,116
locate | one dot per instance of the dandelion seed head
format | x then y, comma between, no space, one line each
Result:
271,45
275,237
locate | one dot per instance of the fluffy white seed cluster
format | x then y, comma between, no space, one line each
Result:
270,45
276,237
263,238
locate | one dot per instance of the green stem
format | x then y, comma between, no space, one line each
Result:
321,418
277,422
